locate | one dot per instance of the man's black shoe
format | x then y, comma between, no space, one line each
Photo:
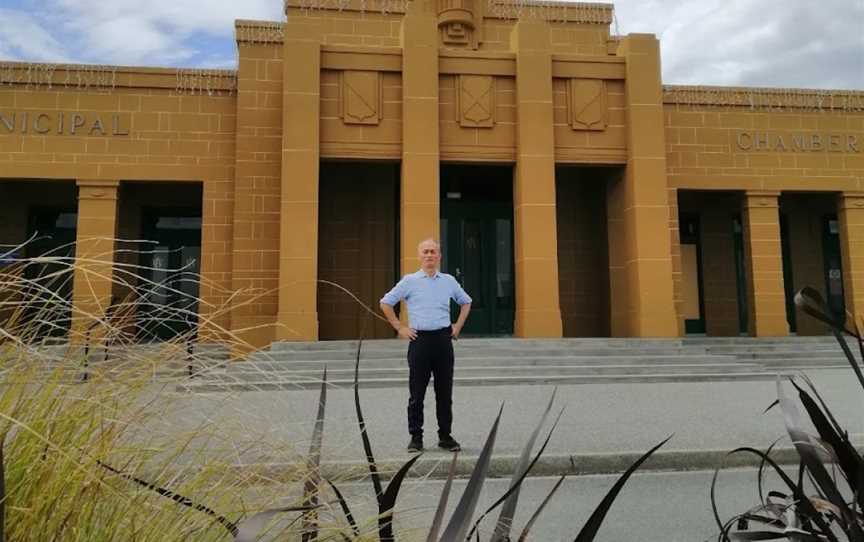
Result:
416,445
449,444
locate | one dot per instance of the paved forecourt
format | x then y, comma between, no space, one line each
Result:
604,426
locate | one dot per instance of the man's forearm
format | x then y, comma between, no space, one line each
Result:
390,314
463,314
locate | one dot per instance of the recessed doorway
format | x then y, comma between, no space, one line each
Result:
477,243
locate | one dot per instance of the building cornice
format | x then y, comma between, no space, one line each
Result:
765,99
551,11
548,10
98,77
247,31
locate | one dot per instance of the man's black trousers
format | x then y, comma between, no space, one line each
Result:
431,354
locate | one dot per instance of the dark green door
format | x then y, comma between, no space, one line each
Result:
171,271
740,275
477,239
833,267
788,279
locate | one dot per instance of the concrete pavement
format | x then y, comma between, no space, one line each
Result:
603,429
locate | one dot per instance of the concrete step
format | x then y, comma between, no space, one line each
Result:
810,339
255,373
197,385
796,364
772,348
490,352
382,344
475,361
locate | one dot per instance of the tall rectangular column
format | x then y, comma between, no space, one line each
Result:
94,255
298,242
640,251
419,192
538,308
850,212
763,256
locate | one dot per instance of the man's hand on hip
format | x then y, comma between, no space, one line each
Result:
457,329
407,333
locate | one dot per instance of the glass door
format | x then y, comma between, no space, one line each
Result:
478,251
171,273
833,267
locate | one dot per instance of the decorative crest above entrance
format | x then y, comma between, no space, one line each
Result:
461,22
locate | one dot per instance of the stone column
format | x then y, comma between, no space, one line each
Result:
640,251
419,193
763,255
298,242
94,254
538,308
850,212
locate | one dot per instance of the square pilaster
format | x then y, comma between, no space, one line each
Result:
763,256
850,212
419,192
640,243
538,307
298,223
94,255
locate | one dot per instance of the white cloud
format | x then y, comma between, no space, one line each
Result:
158,32
744,42
24,37
713,42
183,16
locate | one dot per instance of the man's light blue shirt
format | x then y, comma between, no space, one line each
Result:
428,298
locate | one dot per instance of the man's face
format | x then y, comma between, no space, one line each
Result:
429,254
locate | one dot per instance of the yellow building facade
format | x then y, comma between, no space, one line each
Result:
574,194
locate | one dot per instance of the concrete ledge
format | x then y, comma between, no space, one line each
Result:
436,464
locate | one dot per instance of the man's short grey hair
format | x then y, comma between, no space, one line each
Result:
437,244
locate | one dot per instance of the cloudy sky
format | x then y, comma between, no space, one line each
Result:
794,43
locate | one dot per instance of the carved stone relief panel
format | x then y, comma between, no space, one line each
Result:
460,22
361,97
586,100
476,97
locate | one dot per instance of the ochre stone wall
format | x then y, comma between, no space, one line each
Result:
357,247
602,146
353,28
704,142
379,80
583,259
169,126
257,189
805,215
675,249
377,135
777,141
716,212
496,142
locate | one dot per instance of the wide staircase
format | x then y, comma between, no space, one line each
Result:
489,362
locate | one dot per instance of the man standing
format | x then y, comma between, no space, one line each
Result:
430,353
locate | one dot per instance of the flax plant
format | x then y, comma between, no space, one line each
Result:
824,500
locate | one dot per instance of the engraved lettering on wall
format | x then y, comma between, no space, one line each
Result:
361,97
55,123
476,101
797,142
586,99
